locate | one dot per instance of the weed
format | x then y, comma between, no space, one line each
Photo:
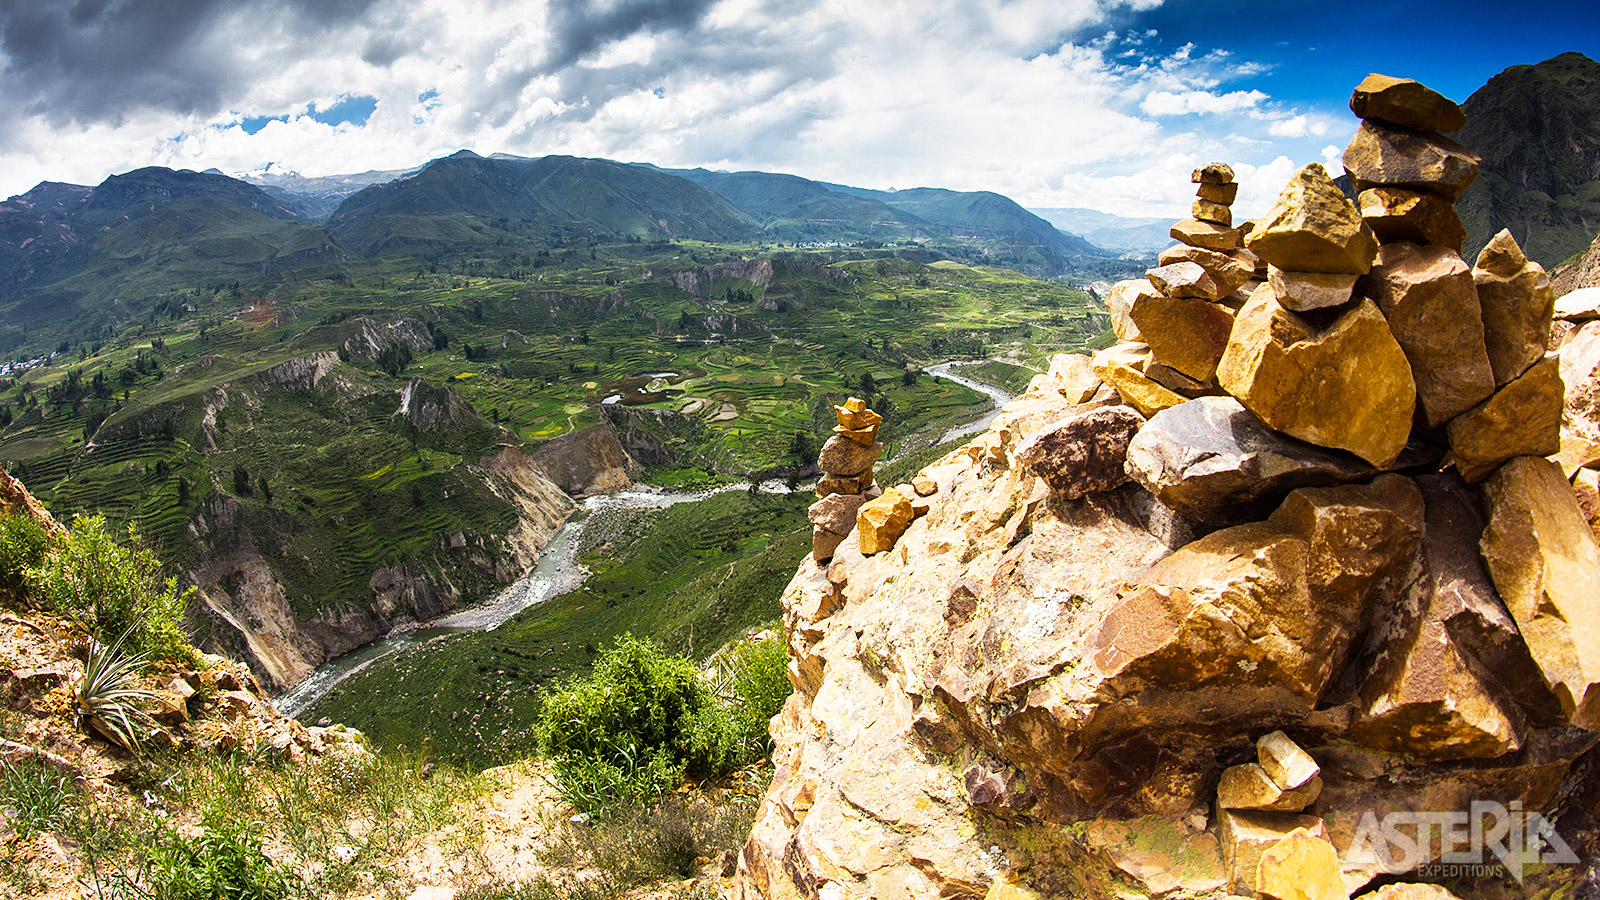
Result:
36,798
223,862
673,838
545,888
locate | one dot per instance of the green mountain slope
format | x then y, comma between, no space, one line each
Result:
466,198
1537,128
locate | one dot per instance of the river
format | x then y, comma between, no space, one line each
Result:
557,571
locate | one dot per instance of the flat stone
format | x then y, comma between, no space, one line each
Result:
881,522
1187,334
1428,296
1211,211
1249,787
1184,279
1207,235
1172,379
1216,462
1302,291
1212,173
1284,761
1545,564
1119,302
1347,385
1580,305
1246,837
1387,155
1224,194
1300,867
866,436
1083,453
1517,303
1396,214
841,456
1121,366
1407,103
1423,694
1229,271
1314,228
1521,419
837,512
834,484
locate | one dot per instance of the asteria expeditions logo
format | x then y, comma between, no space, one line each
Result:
1489,839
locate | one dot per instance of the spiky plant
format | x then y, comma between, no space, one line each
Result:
106,695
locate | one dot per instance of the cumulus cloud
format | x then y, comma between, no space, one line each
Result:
1037,99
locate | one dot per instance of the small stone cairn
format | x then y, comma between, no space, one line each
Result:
846,461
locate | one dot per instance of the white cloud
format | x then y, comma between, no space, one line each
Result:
1003,95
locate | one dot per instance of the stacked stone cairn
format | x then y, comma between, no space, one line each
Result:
1360,546
846,461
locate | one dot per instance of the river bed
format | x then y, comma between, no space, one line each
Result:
558,570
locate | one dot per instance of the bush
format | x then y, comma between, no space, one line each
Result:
633,729
760,685
111,589
23,542
224,862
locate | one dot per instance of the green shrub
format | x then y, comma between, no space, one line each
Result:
631,730
224,862
112,589
23,542
760,685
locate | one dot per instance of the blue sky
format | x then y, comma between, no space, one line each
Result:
1104,104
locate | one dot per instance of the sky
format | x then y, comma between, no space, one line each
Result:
1099,104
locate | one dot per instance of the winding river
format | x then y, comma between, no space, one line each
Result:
558,571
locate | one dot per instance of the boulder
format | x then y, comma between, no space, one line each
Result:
1249,787
1545,564
1586,490
837,512
1347,385
1224,194
1521,419
1445,661
1396,214
1211,211
880,522
1212,173
1580,305
1300,866
1171,378
844,484
1120,300
1184,333
824,542
1410,891
1580,373
1428,297
1314,228
1215,461
1207,235
1302,291
1185,279
1383,155
1082,453
1406,103
1228,271
842,456
1517,303
1072,376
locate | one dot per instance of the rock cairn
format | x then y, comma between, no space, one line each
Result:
1316,544
846,462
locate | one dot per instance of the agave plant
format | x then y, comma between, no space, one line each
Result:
106,695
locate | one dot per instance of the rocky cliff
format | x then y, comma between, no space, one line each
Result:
1291,594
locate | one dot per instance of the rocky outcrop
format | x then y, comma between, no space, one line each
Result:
431,407
585,462
1059,686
